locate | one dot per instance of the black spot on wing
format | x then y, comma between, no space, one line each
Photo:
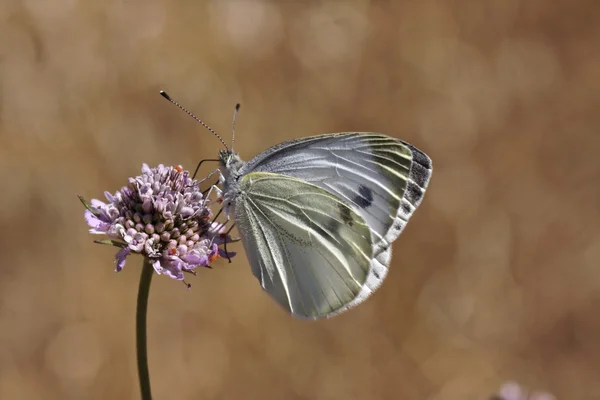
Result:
364,198
345,214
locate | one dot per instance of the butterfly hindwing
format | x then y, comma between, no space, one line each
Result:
308,248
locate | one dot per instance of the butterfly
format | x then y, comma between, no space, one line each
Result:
317,216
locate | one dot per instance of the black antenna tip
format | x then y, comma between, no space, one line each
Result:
237,107
165,95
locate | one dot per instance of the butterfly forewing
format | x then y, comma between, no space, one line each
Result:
309,249
381,177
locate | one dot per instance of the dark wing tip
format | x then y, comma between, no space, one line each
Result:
419,176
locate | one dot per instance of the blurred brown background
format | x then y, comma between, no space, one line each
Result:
496,278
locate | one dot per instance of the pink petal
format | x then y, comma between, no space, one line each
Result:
120,258
98,226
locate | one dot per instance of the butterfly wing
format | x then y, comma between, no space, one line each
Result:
382,178
310,251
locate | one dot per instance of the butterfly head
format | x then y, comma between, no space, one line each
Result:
230,163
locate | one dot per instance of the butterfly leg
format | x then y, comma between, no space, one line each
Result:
223,236
200,163
216,171
225,243
207,178
221,225
217,216
214,186
209,191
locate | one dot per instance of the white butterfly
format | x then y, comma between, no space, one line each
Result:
317,216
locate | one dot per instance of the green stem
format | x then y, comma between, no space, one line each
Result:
142,307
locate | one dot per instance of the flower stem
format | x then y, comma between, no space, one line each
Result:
142,307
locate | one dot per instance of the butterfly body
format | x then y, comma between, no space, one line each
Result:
230,164
317,216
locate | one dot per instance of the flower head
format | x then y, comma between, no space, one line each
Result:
163,216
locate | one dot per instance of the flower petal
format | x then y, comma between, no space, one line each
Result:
149,247
98,226
217,227
172,269
97,203
195,259
157,267
109,197
187,212
91,219
120,258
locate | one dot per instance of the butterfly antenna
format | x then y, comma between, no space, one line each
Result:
235,113
188,112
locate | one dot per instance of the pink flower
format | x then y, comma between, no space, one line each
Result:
163,216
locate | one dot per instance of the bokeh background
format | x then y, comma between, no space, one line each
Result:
496,278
